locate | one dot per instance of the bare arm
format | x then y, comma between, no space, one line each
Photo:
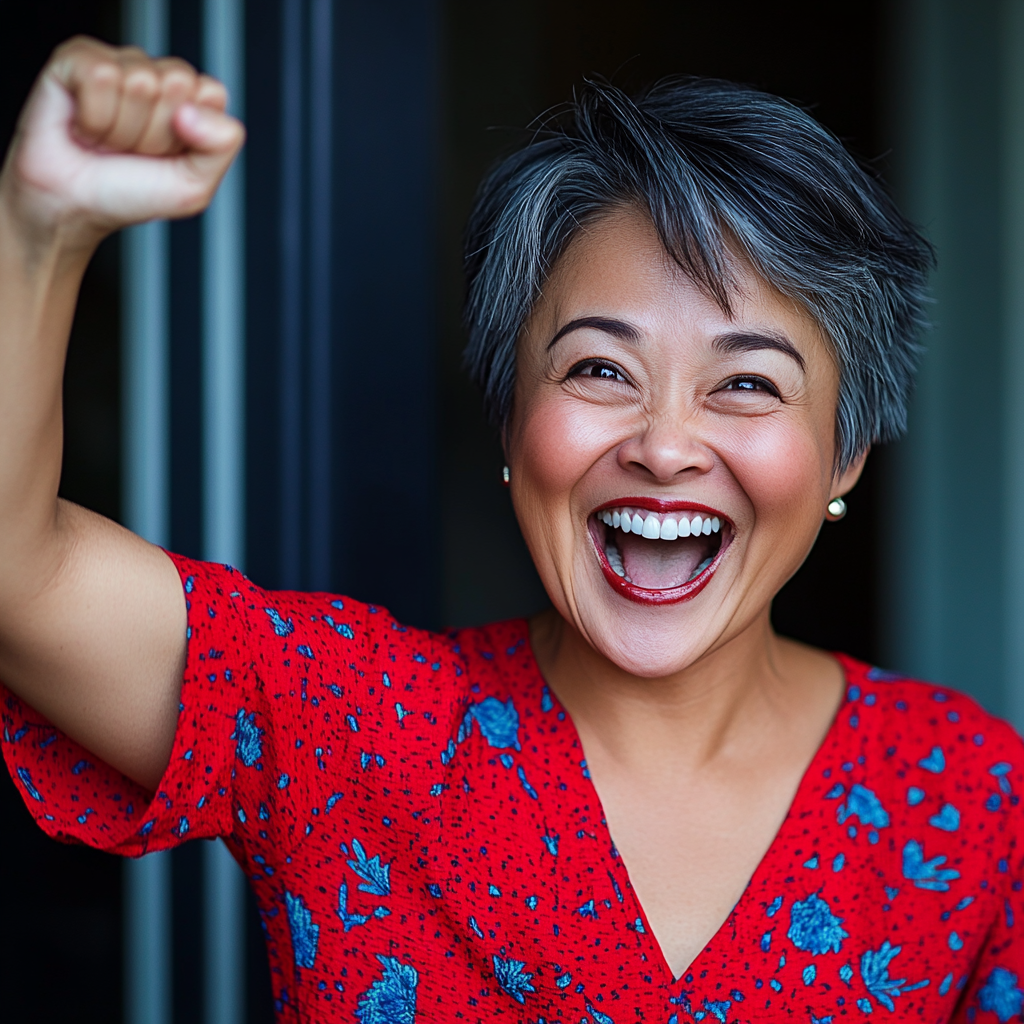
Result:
92,618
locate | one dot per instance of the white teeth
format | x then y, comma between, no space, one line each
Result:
651,526
614,557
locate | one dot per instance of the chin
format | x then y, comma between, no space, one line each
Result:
649,639
651,653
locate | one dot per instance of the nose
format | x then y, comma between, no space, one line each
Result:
665,447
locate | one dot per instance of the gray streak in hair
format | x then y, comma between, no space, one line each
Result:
713,164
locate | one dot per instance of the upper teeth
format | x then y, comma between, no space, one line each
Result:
660,527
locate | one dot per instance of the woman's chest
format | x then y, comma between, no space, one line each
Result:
854,903
519,907
488,884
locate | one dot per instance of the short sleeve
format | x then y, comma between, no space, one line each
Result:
270,697
994,990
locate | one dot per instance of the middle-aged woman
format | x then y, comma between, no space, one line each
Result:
691,315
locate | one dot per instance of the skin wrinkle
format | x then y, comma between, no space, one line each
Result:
765,181
694,711
696,721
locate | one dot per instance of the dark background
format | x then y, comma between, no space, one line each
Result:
468,76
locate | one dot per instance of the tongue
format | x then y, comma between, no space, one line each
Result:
660,564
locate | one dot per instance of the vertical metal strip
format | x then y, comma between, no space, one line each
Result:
910,597
224,311
145,381
147,940
321,44
223,387
944,617
291,256
223,937
1013,291
146,510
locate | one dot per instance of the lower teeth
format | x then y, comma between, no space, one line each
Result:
615,561
700,568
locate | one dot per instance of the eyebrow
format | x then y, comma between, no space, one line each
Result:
732,341
617,328
751,341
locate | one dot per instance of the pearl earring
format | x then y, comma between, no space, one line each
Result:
836,509
505,475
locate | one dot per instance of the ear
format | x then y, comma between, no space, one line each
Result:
845,482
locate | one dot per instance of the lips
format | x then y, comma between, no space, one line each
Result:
658,552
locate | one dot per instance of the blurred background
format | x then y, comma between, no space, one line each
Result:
261,384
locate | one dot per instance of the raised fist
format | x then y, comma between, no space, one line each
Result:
110,137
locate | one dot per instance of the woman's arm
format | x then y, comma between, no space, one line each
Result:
92,618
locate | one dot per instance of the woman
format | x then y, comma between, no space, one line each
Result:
691,316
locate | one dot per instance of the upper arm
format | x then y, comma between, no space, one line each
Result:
97,644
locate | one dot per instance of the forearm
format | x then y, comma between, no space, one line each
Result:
39,283
62,564
92,618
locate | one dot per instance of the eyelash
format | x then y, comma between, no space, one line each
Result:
760,382
597,364
734,384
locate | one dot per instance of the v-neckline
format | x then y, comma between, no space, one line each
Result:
570,738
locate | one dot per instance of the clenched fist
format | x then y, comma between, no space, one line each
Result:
111,137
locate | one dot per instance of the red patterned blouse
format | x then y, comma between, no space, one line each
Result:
415,816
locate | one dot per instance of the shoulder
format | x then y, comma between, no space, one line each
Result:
295,629
950,771
907,711
344,643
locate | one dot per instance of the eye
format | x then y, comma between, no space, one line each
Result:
750,386
596,370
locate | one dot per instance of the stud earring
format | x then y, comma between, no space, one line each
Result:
504,475
835,510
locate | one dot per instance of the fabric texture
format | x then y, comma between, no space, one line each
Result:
415,816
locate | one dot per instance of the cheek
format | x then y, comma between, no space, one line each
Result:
557,442
784,470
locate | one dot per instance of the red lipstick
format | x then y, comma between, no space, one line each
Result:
672,595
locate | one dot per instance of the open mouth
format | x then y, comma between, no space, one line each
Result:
661,552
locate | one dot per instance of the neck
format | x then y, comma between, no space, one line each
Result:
750,692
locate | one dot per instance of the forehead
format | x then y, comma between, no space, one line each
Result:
617,264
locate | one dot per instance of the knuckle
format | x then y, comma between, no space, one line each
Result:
75,44
103,72
170,65
210,86
142,82
178,79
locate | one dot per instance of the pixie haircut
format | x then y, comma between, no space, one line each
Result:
716,166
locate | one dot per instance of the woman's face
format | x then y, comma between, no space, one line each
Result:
670,463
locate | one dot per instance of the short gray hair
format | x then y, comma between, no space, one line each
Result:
713,164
